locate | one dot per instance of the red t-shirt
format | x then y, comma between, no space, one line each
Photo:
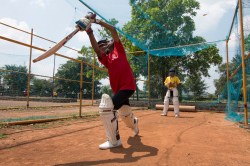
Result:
120,73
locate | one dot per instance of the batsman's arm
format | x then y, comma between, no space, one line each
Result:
95,45
112,29
92,17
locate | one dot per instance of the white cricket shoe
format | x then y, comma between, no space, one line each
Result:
164,115
136,129
176,115
108,145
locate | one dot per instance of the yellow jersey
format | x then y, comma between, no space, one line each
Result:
172,80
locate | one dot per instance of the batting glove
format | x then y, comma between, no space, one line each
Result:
83,24
92,17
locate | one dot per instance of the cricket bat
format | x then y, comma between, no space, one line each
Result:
56,47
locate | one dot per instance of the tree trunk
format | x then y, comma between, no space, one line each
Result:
137,93
194,96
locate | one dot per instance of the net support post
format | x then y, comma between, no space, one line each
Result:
28,90
243,63
80,108
93,83
228,102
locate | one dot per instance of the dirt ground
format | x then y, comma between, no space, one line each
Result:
10,103
44,111
201,138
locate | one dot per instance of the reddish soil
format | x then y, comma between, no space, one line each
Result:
201,138
10,103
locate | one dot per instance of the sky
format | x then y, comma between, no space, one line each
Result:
54,19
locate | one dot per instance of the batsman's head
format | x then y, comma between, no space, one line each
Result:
106,45
172,72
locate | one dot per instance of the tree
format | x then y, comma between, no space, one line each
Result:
41,86
107,89
17,82
196,85
176,18
72,70
211,96
222,71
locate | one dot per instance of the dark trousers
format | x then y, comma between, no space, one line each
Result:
119,99
122,98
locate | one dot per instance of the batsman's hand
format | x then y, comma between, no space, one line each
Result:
167,84
83,24
173,84
170,84
92,17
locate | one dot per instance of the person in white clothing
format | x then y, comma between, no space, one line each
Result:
171,83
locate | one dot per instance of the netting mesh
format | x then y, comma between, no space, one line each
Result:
158,27
157,35
235,105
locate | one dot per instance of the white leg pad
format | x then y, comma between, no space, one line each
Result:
176,102
109,118
166,103
127,116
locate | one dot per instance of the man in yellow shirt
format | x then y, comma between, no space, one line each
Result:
171,83
55,94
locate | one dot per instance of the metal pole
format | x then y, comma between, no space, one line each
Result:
80,109
28,93
53,75
243,63
93,85
228,102
149,104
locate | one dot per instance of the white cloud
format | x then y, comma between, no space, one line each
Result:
233,42
37,52
83,37
209,81
43,68
14,34
71,53
246,26
69,29
38,2
215,9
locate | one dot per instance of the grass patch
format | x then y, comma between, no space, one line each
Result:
61,122
93,116
41,126
30,118
3,136
17,127
74,116
2,126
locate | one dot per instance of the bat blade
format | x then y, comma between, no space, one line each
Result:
56,47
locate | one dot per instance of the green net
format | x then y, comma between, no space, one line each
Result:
158,27
164,28
157,35
235,95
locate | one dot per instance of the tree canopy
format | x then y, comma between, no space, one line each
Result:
16,81
176,18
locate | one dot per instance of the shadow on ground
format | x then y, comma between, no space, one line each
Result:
136,146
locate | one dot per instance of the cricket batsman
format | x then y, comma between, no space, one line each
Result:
171,83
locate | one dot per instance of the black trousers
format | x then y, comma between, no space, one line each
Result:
122,98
